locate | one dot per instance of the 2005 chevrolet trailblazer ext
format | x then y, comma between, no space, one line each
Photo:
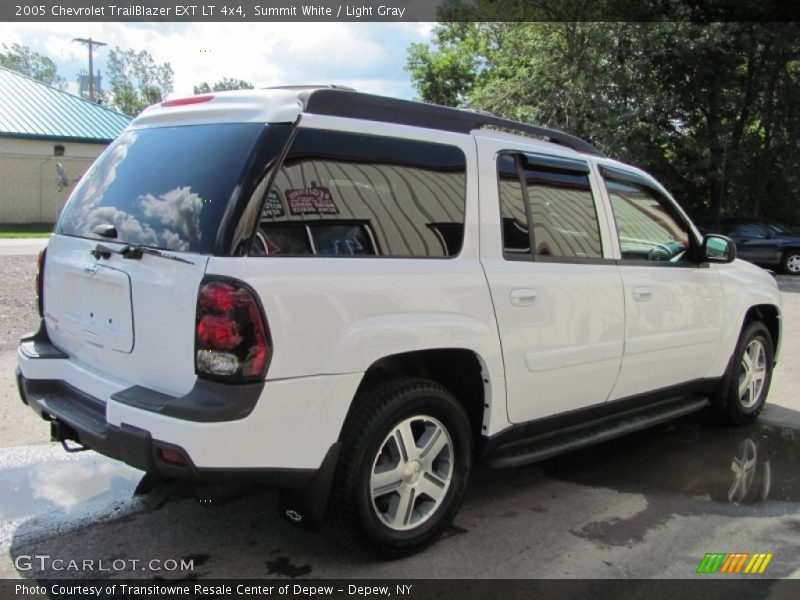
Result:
354,298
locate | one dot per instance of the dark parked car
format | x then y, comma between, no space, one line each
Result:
762,241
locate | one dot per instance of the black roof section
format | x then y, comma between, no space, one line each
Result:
356,105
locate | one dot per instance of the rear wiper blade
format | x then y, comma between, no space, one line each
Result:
134,252
102,251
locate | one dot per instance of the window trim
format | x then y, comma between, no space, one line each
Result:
271,172
527,205
515,256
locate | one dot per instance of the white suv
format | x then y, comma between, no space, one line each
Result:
354,298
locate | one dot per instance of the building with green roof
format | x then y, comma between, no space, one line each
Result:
40,128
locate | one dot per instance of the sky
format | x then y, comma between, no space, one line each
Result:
367,56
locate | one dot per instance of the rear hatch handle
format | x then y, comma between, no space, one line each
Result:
133,252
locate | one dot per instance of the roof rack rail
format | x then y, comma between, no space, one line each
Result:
356,105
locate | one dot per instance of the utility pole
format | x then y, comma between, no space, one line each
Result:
91,45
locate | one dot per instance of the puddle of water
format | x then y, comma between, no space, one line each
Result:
692,457
695,458
62,485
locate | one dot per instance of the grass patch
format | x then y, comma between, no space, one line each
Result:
25,230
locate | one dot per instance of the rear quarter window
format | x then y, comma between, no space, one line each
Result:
165,187
345,194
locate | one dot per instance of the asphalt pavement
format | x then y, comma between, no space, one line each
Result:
650,505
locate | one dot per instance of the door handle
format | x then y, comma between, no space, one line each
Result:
642,293
523,297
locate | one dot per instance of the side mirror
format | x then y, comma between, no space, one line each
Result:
718,248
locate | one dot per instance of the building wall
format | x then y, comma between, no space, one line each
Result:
29,190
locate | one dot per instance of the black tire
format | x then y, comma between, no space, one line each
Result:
354,514
727,404
790,262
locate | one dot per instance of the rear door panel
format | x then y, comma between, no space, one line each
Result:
560,320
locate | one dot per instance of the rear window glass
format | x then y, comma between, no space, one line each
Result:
348,194
165,187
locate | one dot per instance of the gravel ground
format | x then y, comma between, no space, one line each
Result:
18,425
17,299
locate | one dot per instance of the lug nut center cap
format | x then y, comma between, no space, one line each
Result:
412,472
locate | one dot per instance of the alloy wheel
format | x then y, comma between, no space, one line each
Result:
411,473
753,373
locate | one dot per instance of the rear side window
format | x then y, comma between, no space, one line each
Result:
747,230
546,203
165,187
343,194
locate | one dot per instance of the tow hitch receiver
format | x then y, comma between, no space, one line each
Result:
60,432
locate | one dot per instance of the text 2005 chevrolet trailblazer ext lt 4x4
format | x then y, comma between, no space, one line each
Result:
354,298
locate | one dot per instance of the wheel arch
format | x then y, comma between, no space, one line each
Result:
790,248
769,314
462,371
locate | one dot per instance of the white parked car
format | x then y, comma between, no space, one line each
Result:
356,298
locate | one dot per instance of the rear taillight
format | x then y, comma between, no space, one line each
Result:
40,282
231,335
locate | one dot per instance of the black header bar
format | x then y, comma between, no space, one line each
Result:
395,10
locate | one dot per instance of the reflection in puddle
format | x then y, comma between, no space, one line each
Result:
693,457
67,485
51,484
751,473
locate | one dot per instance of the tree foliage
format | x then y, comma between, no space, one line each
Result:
711,109
33,64
136,81
226,83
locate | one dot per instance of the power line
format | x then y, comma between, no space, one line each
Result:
91,44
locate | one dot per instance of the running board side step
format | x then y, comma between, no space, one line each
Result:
547,445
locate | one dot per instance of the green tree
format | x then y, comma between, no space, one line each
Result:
709,108
136,80
33,64
226,83
446,75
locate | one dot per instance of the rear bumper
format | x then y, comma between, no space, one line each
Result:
284,438
76,416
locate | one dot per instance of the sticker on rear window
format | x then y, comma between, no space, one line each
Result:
273,206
